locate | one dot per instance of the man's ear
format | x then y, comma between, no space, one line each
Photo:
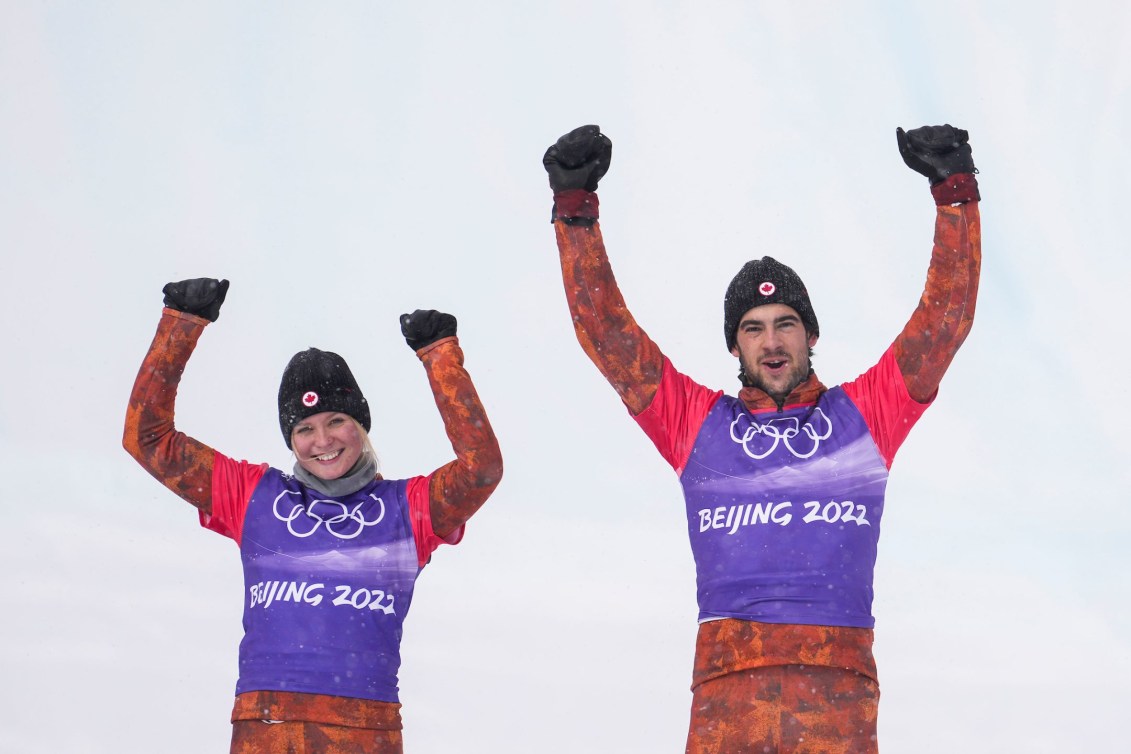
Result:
734,352
812,340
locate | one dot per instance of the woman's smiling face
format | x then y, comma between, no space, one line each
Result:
327,444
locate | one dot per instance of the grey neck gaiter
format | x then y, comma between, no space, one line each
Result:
362,473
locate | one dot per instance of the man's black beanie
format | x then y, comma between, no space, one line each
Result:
316,381
765,281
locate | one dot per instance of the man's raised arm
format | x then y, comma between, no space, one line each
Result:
945,314
629,359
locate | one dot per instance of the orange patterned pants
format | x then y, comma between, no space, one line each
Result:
785,709
314,724
258,737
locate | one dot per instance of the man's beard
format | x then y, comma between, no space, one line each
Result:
749,377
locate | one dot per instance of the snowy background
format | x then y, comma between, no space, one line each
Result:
343,163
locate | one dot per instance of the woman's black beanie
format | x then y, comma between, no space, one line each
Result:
316,381
765,281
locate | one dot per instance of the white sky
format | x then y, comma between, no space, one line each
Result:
343,165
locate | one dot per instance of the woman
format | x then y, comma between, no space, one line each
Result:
331,551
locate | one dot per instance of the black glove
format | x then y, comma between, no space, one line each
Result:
200,296
425,326
579,159
937,152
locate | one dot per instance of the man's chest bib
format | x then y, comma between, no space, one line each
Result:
784,513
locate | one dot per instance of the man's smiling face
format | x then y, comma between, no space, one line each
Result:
773,347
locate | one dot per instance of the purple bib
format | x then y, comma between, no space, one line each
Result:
783,511
327,584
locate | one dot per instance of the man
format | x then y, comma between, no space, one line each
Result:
784,483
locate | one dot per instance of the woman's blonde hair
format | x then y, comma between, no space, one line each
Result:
367,444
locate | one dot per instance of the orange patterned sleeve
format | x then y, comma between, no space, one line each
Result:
173,458
945,314
606,329
460,487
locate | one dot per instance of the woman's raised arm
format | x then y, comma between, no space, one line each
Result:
181,463
460,487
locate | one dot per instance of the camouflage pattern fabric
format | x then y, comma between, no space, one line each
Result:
257,737
179,462
730,646
314,724
785,709
459,487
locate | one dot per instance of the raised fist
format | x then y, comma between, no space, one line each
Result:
425,326
937,152
579,159
200,296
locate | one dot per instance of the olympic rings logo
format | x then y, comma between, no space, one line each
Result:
802,440
341,520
